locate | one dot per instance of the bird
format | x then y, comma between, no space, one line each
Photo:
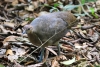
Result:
49,28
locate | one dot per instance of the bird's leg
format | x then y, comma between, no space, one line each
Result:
58,46
41,54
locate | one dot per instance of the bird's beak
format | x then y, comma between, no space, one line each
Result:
24,31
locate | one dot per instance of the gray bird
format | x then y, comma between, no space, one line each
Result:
49,28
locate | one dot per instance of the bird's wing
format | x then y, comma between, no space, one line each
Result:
49,26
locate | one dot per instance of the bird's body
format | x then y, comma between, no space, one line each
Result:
48,25
48,29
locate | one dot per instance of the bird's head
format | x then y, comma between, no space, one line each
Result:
27,29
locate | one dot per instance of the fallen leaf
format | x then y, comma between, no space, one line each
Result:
9,38
29,8
9,52
35,65
9,0
12,57
15,2
94,37
55,63
51,50
68,62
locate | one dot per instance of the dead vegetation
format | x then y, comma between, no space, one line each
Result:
81,45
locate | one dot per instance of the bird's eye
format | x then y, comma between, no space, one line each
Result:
28,29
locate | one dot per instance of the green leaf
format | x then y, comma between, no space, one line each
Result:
87,1
97,65
28,19
93,12
47,5
68,62
90,1
53,9
56,5
1,65
83,1
70,7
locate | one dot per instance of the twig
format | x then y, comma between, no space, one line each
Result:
5,15
84,27
87,60
84,10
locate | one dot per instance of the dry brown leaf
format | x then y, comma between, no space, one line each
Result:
35,65
78,57
77,45
12,57
98,3
68,39
90,32
9,0
55,63
66,47
29,8
51,1
18,53
22,1
43,13
89,56
23,14
35,4
42,1
9,38
29,62
3,30
9,24
98,45
94,37
60,57
82,33
2,52
15,2
51,50
84,46
68,34
24,23
9,52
